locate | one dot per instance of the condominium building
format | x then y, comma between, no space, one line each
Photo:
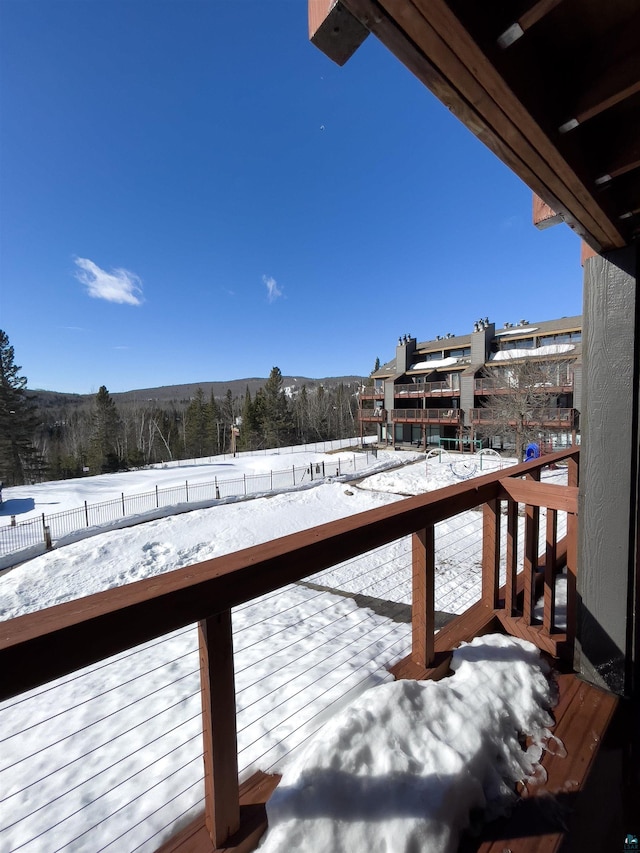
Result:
458,390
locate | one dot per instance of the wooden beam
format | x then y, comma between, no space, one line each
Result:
543,215
426,35
616,77
490,553
334,30
541,494
220,745
527,20
624,158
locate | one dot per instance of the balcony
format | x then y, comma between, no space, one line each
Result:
427,389
371,394
487,386
520,559
550,418
376,416
426,416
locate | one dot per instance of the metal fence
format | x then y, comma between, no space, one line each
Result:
18,536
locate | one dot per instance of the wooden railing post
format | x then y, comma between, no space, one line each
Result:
423,601
531,540
511,590
549,609
572,567
220,749
490,553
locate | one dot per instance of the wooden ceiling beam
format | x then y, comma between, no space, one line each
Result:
527,20
497,115
334,30
612,76
428,38
619,84
624,159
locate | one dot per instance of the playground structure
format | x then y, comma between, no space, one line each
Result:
465,466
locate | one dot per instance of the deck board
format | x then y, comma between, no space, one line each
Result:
254,794
547,817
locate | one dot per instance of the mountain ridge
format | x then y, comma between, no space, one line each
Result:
186,391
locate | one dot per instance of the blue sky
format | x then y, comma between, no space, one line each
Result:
191,191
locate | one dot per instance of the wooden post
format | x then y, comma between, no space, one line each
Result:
549,611
220,748
531,545
423,600
490,553
512,558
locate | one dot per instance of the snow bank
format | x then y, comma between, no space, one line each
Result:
550,349
434,363
407,764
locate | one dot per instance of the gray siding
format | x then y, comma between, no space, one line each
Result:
480,342
466,396
608,470
577,387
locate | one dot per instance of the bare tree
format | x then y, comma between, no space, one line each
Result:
522,399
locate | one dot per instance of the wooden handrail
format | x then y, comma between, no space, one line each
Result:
53,642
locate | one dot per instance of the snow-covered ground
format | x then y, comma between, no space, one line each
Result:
75,509
110,758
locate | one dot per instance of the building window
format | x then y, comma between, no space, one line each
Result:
563,338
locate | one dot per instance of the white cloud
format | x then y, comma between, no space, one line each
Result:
119,285
273,291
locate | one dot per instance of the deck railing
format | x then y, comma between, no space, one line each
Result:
372,415
427,389
37,648
563,385
437,416
558,418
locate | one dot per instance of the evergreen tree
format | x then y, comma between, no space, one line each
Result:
249,425
227,419
197,427
104,455
302,415
278,423
214,422
19,460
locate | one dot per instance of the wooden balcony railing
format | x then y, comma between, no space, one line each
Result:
40,647
378,416
564,385
371,394
434,416
427,389
554,418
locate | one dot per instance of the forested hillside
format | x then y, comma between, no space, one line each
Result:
108,432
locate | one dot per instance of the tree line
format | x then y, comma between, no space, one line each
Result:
100,435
